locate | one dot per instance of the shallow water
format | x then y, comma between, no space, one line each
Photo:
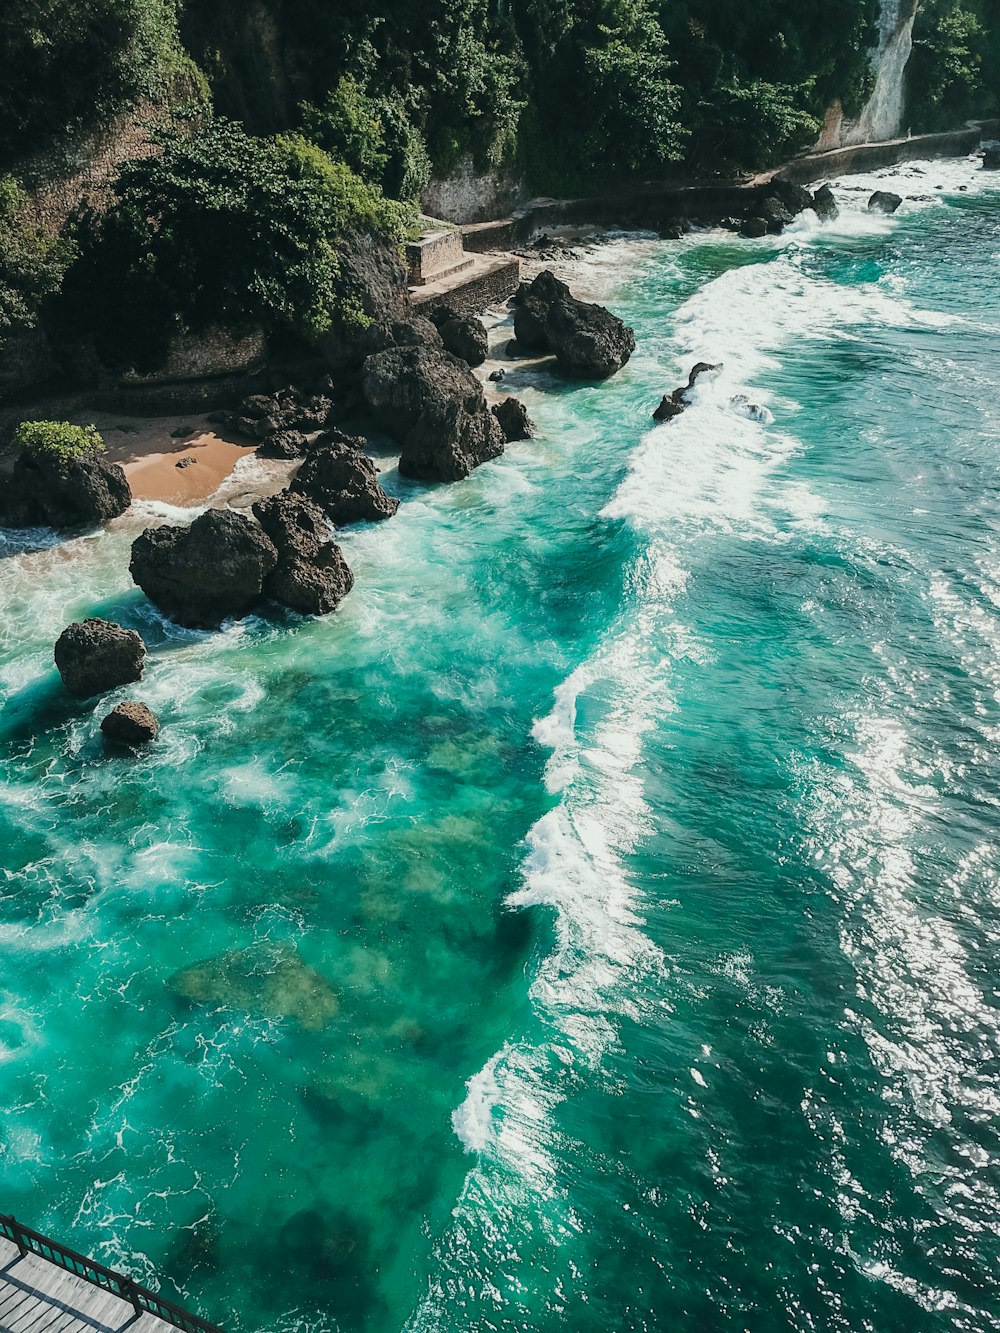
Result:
638,810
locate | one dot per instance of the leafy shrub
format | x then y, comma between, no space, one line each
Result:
221,228
32,262
60,439
952,74
373,135
756,124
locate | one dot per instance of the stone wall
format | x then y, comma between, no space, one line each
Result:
468,195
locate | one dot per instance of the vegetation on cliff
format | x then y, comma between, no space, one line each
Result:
282,126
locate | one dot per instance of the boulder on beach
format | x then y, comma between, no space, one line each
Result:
588,341
825,204
514,420
884,201
794,199
268,979
311,576
204,574
343,481
94,656
991,157
130,725
465,338
434,406
49,490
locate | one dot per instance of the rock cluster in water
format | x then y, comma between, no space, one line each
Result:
884,201
311,575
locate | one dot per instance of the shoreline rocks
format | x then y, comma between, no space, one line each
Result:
201,575
94,656
63,492
311,576
587,340
514,420
434,407
343,481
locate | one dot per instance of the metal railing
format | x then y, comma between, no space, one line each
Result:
143,1300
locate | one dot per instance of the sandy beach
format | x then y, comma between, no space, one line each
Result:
184,470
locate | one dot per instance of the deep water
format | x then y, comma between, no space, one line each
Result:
640,810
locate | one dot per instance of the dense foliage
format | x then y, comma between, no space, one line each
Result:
323,112
32,261
221,228
954,72
69,64
58,438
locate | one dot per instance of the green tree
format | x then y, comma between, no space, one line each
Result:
221,228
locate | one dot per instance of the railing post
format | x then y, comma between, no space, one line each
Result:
18,1237
131,1293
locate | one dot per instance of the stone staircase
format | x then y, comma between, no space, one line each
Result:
443,271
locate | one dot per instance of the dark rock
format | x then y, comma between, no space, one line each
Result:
991,158
94,656
668,409
434,406
284,444
344,483
414,331
185,462
465,338
514,420
794,199
205,573
671,231
448,442
49,491
752,228
311,576
257,406
179,432
130,725
221,418
672,405
825,205
532,304
514,350
775,213
496,376
589,342
884,201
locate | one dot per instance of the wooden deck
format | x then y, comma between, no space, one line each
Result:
38,1297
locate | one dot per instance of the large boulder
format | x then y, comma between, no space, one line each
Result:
94,656
825,204
465,338
795,199
884,201
311,576
433,405
531,308
991,157
514,420
589,342
130,725
205,573
449,442
63,492
344,483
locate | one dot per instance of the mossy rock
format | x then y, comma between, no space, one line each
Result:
267,979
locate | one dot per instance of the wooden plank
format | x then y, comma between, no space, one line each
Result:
39,1297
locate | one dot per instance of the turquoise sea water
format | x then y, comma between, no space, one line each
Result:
640,807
